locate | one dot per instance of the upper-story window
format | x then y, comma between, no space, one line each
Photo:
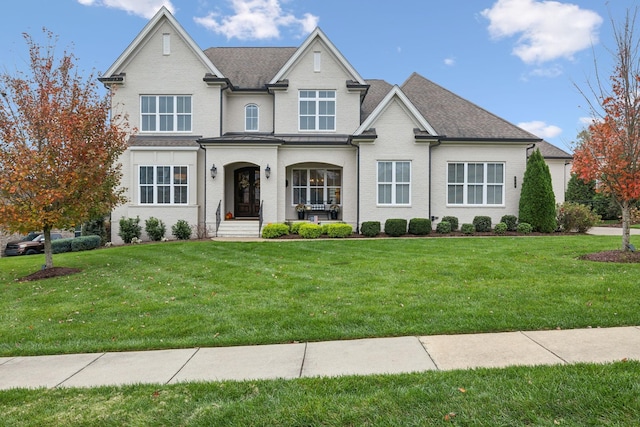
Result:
475,183
317,110
165,113
251,117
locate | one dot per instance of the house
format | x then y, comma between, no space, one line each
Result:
250,133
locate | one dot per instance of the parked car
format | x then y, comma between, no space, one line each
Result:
29,245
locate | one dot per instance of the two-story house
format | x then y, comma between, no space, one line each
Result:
237,135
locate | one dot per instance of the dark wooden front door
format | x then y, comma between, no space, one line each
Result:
247,192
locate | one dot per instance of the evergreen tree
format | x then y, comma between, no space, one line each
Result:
537,201
580,191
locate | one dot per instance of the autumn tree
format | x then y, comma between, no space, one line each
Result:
59,146
611,155
537,202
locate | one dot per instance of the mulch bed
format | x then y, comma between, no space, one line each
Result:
49,273
613,256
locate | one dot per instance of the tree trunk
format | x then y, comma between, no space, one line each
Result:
48,253
626,220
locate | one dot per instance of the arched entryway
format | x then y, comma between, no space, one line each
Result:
246,182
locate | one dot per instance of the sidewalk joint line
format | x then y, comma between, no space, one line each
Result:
424,347
304,358
552,352
79,370
183,365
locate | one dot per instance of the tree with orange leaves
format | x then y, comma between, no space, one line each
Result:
59,146
611,152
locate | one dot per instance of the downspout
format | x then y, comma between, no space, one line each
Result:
357,184
430,177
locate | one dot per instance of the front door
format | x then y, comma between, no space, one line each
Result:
247,194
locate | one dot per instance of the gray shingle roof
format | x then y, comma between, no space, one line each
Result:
163,141
378,89
550,151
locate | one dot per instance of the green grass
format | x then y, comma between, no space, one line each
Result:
576,395
186,294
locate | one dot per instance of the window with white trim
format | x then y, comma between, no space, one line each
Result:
317,110
475,183
316,186
164,185
394,183
165,113
251,117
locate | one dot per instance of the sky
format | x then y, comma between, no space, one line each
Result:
530,62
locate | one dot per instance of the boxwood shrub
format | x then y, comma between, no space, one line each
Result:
468,229
181,230
325,229
310,230
500,228
524,228
482,223
155,228
395,227
130,228
61,246
295,227
511,221
85,243
339,230
370,228
419,226
453,220
443,227
273,231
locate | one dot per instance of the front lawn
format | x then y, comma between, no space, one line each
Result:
204,293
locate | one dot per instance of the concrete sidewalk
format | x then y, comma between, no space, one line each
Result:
332,358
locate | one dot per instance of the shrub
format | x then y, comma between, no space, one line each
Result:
574,216
482,223
130,228
295,227
325,229
339,230
453,220
420,226
181,230
97,227
524,228
500,228
155,229
511,221
310,230
85,243
537,201
443,227
370,228
61,246
273,231
468,228
395,227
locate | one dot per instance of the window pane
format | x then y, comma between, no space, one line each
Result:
476,173
317,195
403,172
166,104
146,175
180,194
164,194
495,174
184,104
180,175
164,175
456,173
474,194
299,177
385,171
384,193
402,194
494,194
299,195
184,123
146,194
148,105
455,194
333,178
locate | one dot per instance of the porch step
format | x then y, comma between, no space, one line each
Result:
240,228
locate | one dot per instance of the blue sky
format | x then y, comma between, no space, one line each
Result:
519,59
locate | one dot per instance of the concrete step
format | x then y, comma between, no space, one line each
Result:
238,228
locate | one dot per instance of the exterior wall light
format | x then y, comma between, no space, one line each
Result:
214,171
267,171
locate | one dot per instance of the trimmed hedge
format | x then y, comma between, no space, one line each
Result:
310,231
453,220
339,230
61,246
419,226
181,230
482,223
370,228
500,228
524,228
295,227
85,243
443,227
511,221
468,229
273,231
395,227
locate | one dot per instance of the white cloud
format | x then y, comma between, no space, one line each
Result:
547,29
541,129
450,62
143,8
256,19
553,71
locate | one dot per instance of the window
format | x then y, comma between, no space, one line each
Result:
317,110
394,183
251,117
165,113
163,185
166,44
475,184
315,186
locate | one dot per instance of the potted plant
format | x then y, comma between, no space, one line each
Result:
333,211
300,208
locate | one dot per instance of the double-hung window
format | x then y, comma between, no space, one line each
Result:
164,185
251,117
316,186
475,183
394,183
165,113
317,110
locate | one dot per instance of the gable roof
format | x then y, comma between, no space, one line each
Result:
550,151
378,89
163,13
454,117
317,34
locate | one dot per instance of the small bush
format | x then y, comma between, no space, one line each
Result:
370,228
339,230
443,227
155,229
574,216
500,228
453,220
310,230
273,231
511,221
295,227
85,243
482,223
468,229
130,228
181,230
325,229
419,226
524,228
395,227
61,246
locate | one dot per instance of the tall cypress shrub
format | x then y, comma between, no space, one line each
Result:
537,201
